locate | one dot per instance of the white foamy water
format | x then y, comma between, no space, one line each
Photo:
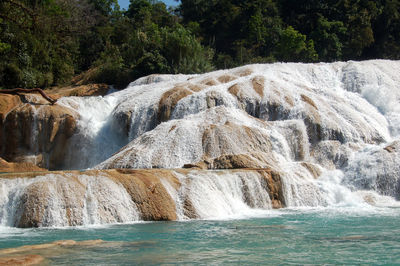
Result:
64,200
95,139
221,195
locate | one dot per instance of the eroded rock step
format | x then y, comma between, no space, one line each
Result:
71,198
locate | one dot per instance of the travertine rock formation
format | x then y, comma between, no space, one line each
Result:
35,131
18,167
312,134
117,196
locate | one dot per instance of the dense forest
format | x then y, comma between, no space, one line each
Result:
47,42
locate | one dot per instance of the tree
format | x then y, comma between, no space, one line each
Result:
328,36
387,31
293,46
359,18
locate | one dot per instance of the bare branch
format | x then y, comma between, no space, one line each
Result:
18,90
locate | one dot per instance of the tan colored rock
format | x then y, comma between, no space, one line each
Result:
226,78
275,188
209,82
258,85
308,100
200,165
144,186
313,169
37,134
169,100
18,167
232,139
62,195
23,255
243,72
34,205
80,90
393,147
7,103
234,90
238,161
196,87
147,191
23,260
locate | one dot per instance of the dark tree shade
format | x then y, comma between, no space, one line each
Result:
47,42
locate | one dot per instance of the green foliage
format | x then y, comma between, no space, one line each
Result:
224,61
293,46
4,47
10,75
327,36
149,40
105,7
184,53
46,42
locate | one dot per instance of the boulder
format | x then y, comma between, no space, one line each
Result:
47,202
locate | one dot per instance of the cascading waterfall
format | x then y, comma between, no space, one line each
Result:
96,138
107,202
34,135
332,189
11,192
330,130
72,199
221,195
64,201
68,199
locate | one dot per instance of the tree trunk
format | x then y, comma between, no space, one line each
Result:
17,90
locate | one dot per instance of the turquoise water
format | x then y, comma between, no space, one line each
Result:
308,236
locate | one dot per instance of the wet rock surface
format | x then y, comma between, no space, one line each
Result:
73,198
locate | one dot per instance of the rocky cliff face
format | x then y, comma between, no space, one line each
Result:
34,131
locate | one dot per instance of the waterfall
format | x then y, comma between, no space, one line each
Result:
219,194
96,138
70,199
79,199
332,190
64,200
325,135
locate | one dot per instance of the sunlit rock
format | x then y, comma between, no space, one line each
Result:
37,133
93,197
